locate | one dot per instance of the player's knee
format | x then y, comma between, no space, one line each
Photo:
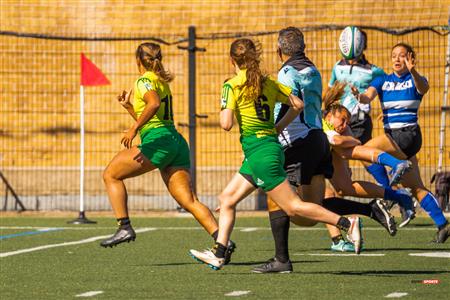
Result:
226,201
107,176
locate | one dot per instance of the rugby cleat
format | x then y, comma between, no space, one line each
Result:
342,246
397,172
208,257
407,216
381,214
274,266
354,233
122,235
443,234
230,249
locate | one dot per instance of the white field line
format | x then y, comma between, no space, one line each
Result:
396,295
200,228
432,254
249,229
90,294
88,240
237,293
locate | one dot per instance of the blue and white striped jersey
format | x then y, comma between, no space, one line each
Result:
300,74
359,75
399,99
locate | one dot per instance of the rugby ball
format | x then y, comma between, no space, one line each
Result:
351,42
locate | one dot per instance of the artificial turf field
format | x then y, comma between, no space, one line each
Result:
157,266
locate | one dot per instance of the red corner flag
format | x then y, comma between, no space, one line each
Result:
90,74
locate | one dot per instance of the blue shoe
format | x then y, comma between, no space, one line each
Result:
343,246
407,216
397,172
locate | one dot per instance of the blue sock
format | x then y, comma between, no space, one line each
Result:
388,160
403,200
431,206
379,173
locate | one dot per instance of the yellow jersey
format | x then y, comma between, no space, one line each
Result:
149,81
255,116
329,130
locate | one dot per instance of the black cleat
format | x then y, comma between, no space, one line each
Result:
122,235
274,266
382,215
443,234
230,249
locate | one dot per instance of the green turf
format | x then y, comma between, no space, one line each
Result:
157,266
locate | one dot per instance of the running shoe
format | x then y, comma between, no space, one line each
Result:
443,234
354,233
274,266
342,246
230,249
407,216
122,235
397,172
381,214
208,257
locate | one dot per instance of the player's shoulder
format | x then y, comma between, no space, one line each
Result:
234,81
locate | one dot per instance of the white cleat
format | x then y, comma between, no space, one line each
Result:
354,233
208,257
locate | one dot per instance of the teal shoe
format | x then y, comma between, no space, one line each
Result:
343,246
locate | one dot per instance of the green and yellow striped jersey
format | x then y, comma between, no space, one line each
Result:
149,81
255,116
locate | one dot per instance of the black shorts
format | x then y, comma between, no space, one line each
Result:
361,129
409,139
308,157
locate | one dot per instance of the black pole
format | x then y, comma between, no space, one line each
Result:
192,108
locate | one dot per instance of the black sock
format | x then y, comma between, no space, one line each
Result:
337,239
280,223
215,234
124,222
346,207
343,224
219,250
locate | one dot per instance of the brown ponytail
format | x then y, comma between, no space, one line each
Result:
246,54
150,56
332,97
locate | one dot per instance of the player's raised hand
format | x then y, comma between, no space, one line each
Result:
410,61
124,99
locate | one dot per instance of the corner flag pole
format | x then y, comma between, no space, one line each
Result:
90,76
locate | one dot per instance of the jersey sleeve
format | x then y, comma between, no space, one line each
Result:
228,100
333,77
283,92
377,83
286,76
143,85
376,71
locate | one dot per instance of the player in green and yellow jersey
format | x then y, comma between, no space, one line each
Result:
161,147
251,96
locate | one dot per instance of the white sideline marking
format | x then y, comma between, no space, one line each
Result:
200,228
395,295
342,254
90,294
88,240
432,254
237,293
249,229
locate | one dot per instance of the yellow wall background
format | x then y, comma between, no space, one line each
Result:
39,140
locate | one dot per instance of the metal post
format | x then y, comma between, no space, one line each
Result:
192,107
444,104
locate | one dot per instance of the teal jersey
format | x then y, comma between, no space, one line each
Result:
359,75
300,74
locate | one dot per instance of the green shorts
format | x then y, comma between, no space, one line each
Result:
165,147
265,165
